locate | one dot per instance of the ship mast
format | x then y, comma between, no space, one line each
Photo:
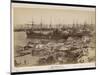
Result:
32,24
41,23
41,26
50,23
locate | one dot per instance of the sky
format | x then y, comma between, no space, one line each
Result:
25,15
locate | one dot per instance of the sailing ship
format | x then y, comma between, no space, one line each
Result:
57,32
45,32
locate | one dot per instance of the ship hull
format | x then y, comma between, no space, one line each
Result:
46,36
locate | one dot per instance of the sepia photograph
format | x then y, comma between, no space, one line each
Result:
46,37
